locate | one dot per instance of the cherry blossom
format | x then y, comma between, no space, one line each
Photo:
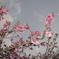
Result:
48,34
50,18
12,40
12,26
43,43
35,34
19,27
26,26
2,18
34,42
18,34
7,23
2,10
18,47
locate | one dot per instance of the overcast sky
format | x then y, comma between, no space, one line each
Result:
33,12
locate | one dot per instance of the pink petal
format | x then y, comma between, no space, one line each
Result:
48,34
34,42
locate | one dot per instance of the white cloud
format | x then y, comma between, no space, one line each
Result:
18,8
16,5
39,16
15,8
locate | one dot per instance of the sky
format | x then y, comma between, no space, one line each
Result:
33,12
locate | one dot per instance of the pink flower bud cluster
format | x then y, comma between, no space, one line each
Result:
2,12
50,18
35,34
6,24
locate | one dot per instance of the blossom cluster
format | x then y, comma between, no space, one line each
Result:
16,48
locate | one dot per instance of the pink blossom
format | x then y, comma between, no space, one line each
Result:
31,48
17,42
50,18
18,34
2,18
27,40
7,23
2,10
49,45
43,43
21,40
26,26
12,40
12,26
48,34
35,34
29,37
3,30
34,42
12,45
19,27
